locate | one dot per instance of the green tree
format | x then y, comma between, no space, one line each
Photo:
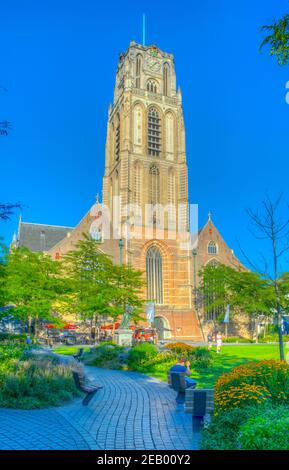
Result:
278,39
98,288
33,283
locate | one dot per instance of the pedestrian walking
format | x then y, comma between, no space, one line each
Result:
219,340
210,341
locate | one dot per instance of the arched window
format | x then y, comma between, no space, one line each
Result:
151,86
212,248
154,185
138,71
154,271
154,132
166,71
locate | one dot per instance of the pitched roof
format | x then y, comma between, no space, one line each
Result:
40,237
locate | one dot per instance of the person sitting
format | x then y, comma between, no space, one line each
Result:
183,366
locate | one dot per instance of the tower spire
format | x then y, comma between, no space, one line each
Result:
143,29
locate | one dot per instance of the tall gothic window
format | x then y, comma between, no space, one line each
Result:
138,71
154,132
154,271
154,185
212,248
151,86
117,138
166,79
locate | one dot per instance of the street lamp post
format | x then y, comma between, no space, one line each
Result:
121,245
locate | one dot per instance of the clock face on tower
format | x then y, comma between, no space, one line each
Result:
153,64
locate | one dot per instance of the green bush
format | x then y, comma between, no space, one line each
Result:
200,358
223,431
248,428
180,348
237,339
261,379
105,355
19,338
141,356
36,383
268,431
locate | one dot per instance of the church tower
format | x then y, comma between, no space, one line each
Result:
145,185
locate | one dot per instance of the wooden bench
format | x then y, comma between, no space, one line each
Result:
178,383
200,403
79,354
89,388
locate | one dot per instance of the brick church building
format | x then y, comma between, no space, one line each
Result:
143,219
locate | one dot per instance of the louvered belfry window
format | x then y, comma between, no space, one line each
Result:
154,133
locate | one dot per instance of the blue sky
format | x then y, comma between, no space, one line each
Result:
58,62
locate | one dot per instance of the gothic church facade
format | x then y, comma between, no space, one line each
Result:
145,193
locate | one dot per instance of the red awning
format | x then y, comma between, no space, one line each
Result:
69,326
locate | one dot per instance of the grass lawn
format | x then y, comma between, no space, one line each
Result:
230,356
69,350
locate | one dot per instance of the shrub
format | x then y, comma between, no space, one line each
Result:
19,338
141,356
223,431
180,348
268,378
200,358
237,339
268,431
248,428
240,396
105,355
36,383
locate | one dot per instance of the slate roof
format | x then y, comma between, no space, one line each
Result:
40,237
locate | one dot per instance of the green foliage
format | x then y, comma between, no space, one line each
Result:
180,348
237,339
249,428
141,356
278,40
29,381
18,338
105,355
223,431
98,287
32,283
201,358
266,431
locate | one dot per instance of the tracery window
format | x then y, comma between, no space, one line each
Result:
212,248
151,86
154,273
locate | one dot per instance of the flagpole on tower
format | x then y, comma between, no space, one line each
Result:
143,29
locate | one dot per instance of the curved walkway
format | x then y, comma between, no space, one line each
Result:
132,411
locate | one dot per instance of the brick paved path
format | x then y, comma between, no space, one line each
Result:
132,411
